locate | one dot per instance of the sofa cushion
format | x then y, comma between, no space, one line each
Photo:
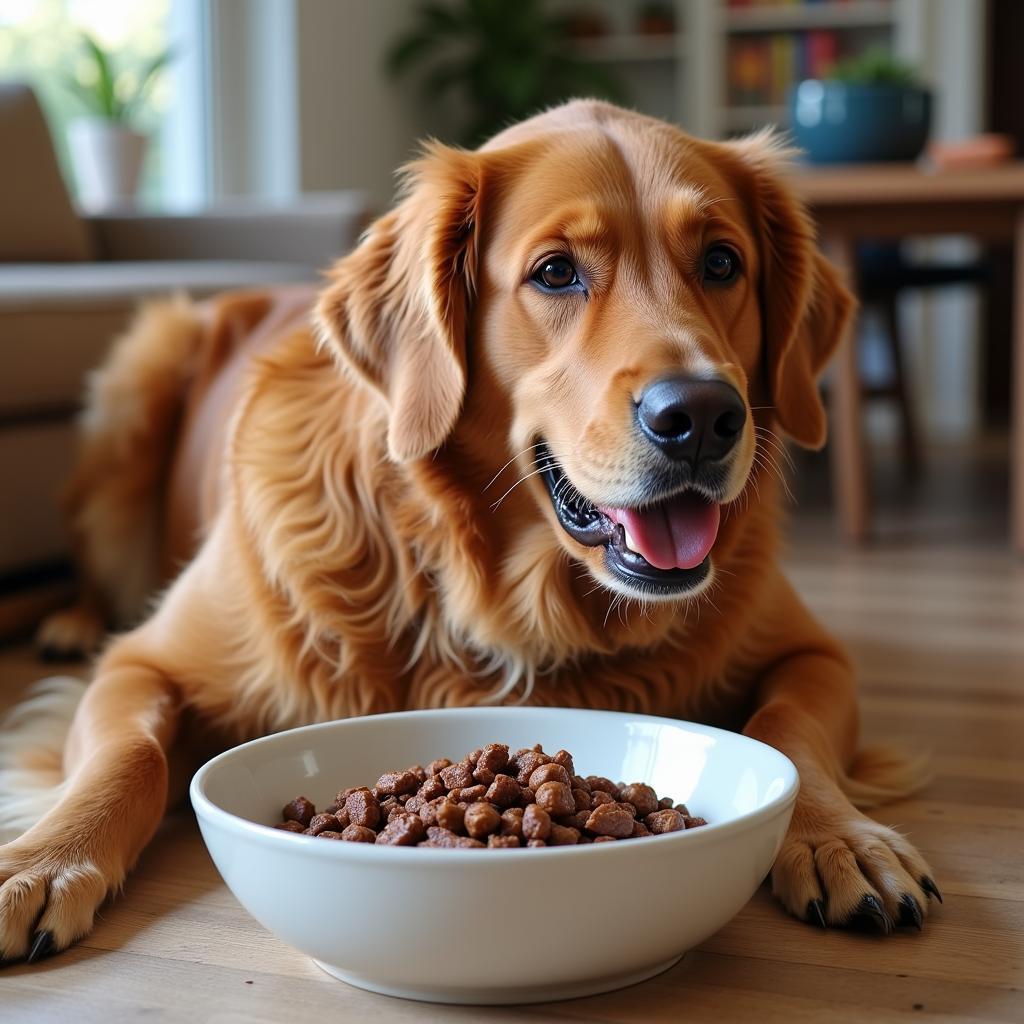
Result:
56,322
39,222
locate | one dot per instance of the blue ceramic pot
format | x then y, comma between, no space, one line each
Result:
838,123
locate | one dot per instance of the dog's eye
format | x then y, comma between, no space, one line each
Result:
720,264
556,273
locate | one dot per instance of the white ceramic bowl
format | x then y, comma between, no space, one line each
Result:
496,926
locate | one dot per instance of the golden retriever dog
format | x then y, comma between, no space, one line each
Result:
519,448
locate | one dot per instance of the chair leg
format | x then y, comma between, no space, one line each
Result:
908,424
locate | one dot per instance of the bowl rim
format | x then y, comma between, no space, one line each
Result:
217,816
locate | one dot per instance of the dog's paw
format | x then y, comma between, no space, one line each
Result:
47,900
852,872
69,634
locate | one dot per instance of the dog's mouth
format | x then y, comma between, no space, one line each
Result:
660,548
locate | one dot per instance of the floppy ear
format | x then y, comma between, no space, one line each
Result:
805,305
396,308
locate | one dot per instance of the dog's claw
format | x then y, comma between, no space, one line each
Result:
910,911
870,914
816,913
931,888
42,946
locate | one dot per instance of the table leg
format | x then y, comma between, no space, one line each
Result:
849,473
1017,398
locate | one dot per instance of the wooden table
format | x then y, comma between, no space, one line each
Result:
852,203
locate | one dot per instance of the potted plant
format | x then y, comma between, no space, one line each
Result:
106,147
871,107
507,61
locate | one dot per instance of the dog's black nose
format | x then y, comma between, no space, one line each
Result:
692,420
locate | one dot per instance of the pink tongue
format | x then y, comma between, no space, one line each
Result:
676,534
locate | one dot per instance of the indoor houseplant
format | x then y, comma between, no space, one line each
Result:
106,146
872,107
500,62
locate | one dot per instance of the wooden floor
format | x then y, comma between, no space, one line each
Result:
934,614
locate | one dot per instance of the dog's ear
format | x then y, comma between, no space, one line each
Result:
395,311
805,305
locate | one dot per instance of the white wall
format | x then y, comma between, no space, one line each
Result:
356,125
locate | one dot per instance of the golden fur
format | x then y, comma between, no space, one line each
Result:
353,499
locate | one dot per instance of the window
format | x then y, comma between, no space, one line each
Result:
41,42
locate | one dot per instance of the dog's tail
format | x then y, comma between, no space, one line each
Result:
32,739
880,775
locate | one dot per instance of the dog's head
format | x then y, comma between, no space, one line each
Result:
611,309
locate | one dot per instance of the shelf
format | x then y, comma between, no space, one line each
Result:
827,14
745,118
630,48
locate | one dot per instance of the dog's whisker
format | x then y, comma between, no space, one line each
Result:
536,472
531,447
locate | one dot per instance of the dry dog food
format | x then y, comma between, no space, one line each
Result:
491,799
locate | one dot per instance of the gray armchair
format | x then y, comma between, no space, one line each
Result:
69,284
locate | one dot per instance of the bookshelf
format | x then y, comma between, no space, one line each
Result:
728,65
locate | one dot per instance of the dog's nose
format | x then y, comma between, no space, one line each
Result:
692,420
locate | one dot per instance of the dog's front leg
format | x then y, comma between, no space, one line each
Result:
836,865
54,876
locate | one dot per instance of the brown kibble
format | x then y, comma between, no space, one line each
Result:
469,795
431,789
437,766
665,803
562,835
512,822
639,830
363,808
393,783
301,810
494,757
290,826
526,797
457,776
564,758
451,816
689,821
358,834
610,820
324,823
556,799
483,775
481,819
578,820
627,806
528,763
536,823
414,803
582,799
503,791
604,839
578,782
536,842
442,837
682,809
668,820
642,797
549,772
403,830
601,783
601,796
509,842
474,755
330,835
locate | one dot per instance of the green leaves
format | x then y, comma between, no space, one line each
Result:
875,66
507,60
114,96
